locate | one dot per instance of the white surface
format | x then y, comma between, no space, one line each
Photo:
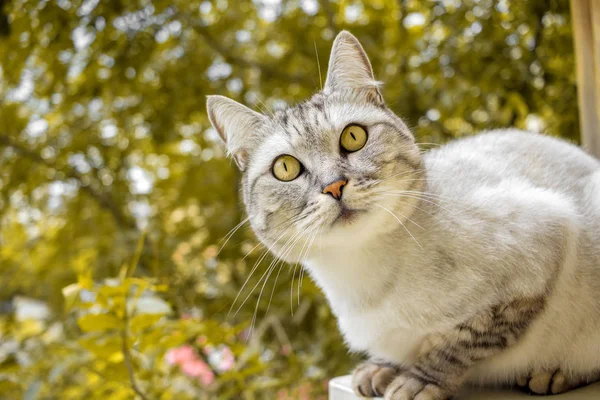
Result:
340,388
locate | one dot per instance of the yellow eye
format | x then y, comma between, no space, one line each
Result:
353,138
286,168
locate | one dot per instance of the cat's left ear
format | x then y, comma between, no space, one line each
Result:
349,68
239,127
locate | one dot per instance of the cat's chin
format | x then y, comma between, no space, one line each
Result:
347,216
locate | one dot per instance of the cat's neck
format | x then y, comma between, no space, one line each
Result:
351,275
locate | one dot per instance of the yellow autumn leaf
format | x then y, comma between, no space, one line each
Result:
98,322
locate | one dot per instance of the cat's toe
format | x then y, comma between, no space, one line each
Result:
550,382
560,383
382,379
406,387
361,379
522,381
541,382
371,380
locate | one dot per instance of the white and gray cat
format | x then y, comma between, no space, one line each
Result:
475,262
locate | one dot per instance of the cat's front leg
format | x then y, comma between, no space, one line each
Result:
445,358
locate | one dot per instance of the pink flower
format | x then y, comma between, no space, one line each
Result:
198,369
194,368
181,354
207,378
191,364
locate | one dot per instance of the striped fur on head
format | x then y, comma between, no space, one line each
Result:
310,131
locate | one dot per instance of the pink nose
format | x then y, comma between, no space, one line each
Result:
335,188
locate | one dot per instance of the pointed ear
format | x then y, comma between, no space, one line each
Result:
349,68
238,126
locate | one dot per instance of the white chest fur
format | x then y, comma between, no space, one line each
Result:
372,330
369,313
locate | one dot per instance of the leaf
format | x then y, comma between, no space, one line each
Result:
116,357
85,280
142,321
101,346
71,295
98,322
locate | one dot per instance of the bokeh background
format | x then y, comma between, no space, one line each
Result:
116,198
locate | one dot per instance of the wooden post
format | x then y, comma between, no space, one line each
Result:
586,28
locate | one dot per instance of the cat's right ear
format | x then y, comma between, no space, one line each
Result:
237,125
350,68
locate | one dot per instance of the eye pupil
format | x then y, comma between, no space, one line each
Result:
285,166
352,134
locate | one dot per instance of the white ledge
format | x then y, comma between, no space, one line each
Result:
340,388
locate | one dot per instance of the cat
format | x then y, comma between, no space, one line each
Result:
477,262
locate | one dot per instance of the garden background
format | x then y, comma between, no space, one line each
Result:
116,198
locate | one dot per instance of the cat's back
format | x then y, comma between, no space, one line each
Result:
540,186
502,157
495,177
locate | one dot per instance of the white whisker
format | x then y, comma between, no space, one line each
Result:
318,65
417,207
266,275
298,264
425,195
267,108
281,263
231,233
404,226
301,278
251,250
261,258
412,196
277,261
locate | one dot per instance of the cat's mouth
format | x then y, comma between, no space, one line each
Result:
347,215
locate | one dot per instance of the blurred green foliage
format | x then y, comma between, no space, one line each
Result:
115,195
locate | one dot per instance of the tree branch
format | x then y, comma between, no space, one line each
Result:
103,199
268,70
127,356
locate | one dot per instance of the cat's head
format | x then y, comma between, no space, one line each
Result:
331,166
